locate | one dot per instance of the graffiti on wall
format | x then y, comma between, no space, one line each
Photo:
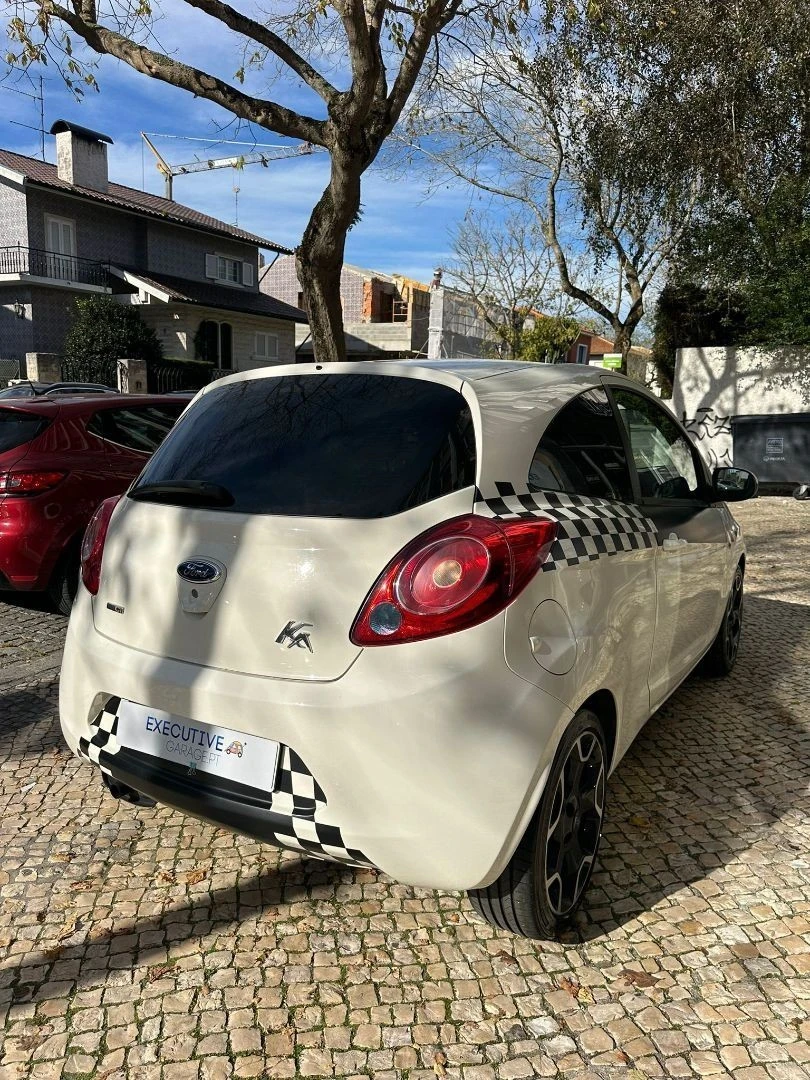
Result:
712,433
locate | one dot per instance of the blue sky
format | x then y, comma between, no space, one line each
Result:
400,230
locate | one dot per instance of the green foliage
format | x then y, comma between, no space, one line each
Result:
103,331
689,315
548,341
741,278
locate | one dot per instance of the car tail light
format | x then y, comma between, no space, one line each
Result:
29,483
452,577
93,543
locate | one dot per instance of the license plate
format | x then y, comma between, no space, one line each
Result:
208,748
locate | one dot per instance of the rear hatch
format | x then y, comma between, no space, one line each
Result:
18,429
312,482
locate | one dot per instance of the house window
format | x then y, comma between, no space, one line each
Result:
214,343
229,270
582,354
266,346
60,242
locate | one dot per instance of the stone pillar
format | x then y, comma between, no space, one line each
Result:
132,377
435,348
43,367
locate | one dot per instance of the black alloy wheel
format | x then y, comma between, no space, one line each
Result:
542,885
722,656
575,826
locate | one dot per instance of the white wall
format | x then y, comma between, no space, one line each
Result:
177,334
712,385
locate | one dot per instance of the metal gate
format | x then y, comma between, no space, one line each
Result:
91,371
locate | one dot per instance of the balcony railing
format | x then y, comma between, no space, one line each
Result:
50,264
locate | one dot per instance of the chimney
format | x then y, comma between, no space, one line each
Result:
81,155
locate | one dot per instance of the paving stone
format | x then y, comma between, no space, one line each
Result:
141,944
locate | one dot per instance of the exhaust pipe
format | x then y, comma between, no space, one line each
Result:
125,793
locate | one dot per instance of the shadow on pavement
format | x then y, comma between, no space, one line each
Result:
706,780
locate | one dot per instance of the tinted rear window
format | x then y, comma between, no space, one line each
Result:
358,446
17,428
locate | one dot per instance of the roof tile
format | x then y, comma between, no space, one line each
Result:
126,198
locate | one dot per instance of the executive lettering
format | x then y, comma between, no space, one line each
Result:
187,733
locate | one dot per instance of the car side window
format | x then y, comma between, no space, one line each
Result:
140,428
663,456
581,452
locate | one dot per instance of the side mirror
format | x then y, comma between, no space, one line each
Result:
734,485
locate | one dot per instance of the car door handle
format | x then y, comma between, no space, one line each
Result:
674,543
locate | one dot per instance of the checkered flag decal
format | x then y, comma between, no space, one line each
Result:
588,528
297,802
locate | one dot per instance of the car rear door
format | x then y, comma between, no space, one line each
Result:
692,571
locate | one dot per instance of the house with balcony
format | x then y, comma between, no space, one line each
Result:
67,231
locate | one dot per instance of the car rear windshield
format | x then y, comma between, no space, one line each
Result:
355,446
18,428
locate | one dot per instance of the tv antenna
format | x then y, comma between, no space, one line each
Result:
238,161
40,100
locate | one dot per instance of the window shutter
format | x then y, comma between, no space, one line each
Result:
211,266
247,273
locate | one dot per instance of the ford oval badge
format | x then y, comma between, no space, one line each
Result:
200,571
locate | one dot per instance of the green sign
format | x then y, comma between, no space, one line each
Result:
612,360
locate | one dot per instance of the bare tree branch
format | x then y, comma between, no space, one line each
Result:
263,35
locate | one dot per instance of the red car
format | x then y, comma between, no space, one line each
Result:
59,458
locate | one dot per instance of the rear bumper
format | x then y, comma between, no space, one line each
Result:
431,757
29,545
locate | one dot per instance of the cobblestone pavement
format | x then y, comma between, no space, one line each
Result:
142,944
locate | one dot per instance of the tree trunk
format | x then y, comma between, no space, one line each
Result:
622,343
319,258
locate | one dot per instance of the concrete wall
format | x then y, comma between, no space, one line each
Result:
712,385
177,334
457,329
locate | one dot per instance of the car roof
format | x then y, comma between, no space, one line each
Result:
475,369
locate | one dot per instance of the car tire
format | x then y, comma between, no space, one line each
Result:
64,581
544,882
722,656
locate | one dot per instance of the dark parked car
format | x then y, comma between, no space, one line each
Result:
59,458
28,389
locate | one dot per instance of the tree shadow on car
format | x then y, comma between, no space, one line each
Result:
719,771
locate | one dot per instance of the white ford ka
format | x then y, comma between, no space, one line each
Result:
405,616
